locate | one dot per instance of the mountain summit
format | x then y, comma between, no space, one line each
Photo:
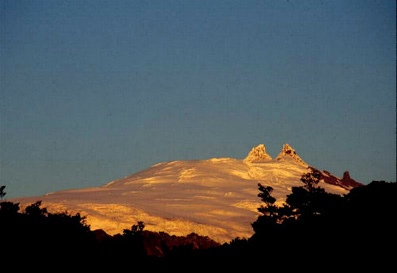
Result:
258,154
217,197
289,153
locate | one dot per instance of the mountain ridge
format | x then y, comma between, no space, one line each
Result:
215,197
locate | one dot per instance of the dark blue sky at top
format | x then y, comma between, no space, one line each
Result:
92,91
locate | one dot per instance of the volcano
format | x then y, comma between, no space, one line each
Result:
216,197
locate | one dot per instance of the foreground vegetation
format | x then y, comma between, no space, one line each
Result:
314,230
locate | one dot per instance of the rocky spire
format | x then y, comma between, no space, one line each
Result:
258,154
289,153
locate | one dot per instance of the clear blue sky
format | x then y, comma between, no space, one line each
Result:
92,91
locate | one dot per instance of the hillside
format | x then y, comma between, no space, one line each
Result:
216,197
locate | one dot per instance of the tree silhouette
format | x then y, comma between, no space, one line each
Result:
2,192
266,227
265,194
35,210
306,215
311,180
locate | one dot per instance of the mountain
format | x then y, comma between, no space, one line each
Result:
216,197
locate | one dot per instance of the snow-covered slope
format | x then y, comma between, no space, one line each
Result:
215,197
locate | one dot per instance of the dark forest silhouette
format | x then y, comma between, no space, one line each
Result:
313,230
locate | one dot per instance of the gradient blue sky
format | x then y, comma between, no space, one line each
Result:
92,91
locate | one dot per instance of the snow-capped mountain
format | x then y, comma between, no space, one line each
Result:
217,197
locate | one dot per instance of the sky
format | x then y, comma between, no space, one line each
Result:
92,91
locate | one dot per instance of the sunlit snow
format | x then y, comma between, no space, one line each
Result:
216,197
